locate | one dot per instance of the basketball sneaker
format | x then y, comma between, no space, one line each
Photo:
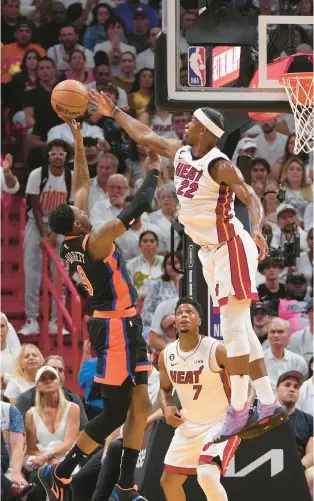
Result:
119,494
269,417
55,487
235,422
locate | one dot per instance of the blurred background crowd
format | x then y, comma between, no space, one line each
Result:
109,46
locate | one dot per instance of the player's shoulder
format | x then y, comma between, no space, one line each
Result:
209,342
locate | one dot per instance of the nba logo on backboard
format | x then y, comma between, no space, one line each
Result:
197,67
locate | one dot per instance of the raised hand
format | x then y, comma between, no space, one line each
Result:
7,162
261,243
101,102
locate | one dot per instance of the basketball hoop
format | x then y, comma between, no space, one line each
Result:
300,91
263,115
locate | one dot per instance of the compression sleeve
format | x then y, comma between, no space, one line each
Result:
141,201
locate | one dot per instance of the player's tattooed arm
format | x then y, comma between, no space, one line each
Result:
138,131
224,172
171,413
81,178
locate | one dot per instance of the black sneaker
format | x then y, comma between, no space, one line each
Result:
55,487
119,494
17,491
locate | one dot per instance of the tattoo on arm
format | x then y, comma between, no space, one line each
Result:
80,174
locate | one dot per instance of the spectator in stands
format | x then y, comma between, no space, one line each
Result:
26,366
127,10
270,200
93,154
52,425
160,121
12,428
61,52
278,358
138,37
270,143
302,341
95,32
48,32
163,216
187,19
179,121
40,116
23,81
165,287
126,77
77,61
260,320
63,132
293,307
306,8
102,78
26,400
46,187
288,390
9,19
259,172
40,15
114,46
146,59
13,53
304,263
107,165
11,491
288,153
93,402
8,182
148,265
246,146
129,243
298,191
117,187
272,289
162,329
287,214
306,399
142,91
8,353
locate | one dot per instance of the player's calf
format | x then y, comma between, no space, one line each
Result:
172,485
208,476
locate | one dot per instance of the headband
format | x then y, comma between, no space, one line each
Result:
208,123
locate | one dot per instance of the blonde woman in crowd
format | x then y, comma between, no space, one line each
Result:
26,366
51,426
8,351
298,191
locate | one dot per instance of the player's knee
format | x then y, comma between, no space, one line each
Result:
169,482
208,476
256,350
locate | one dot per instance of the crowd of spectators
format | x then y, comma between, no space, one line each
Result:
109,46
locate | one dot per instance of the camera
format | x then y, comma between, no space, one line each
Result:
286,254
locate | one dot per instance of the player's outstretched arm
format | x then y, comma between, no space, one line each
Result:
81,179
139,132
171,413
231,175
100,242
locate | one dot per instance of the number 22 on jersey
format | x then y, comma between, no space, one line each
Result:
88,286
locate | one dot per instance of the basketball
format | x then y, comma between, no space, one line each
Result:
69,99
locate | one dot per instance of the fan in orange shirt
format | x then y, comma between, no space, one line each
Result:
12,53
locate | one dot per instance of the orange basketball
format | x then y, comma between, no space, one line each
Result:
69,99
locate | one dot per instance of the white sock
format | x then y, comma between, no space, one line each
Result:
264,390
239,391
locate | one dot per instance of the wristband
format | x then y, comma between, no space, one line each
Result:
7,172
115,109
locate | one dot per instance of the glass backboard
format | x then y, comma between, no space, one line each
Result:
231,54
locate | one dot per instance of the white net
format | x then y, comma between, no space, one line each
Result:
300,91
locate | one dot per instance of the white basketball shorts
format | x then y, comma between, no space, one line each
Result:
189,449
230,269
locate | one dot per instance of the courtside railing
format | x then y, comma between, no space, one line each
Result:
69,314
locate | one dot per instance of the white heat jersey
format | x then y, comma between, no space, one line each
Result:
202,392
161,126
206,208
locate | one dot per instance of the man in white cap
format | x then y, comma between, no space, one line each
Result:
246,146
286,214
206,184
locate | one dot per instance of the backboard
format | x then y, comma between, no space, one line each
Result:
224,54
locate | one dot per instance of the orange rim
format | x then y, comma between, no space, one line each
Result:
263,115
299,85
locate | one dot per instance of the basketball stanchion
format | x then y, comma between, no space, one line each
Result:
300,92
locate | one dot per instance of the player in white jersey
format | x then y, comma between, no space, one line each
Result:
193,367
207,184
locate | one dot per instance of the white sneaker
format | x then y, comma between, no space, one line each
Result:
53,328
30,327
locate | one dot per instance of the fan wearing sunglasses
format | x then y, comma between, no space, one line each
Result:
47,187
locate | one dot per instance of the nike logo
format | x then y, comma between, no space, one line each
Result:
172,365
